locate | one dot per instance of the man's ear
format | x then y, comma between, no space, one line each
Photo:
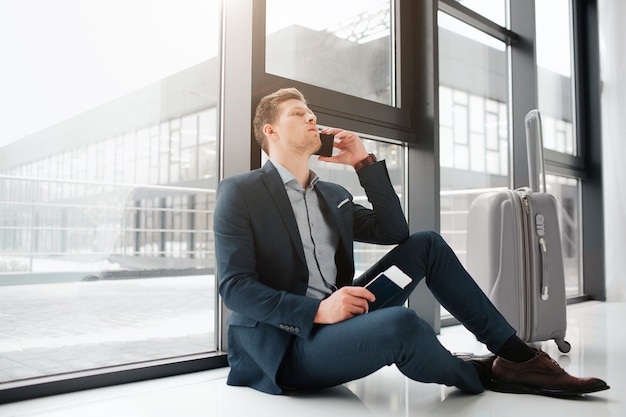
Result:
271,135
269,130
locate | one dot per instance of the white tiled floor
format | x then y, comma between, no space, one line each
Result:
595,330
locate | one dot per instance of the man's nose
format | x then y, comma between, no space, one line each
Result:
311,118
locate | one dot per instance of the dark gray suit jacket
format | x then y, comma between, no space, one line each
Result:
261,268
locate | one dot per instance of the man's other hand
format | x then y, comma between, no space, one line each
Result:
344,304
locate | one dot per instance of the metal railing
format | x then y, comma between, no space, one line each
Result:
51,225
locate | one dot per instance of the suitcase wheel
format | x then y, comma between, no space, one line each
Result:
563,345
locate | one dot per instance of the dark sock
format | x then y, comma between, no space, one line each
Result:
515,350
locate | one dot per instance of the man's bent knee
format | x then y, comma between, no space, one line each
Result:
428,237
400,323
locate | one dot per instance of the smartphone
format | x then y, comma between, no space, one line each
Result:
327,145
394,275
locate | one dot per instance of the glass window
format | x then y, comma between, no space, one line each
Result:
106,253
474,140
556,97
346,46
554,74
473,123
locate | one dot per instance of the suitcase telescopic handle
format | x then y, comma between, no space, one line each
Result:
534,145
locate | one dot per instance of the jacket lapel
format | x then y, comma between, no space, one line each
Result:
277,193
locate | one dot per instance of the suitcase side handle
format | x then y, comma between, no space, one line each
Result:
545,276
534,146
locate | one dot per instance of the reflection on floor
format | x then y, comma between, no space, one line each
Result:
595,330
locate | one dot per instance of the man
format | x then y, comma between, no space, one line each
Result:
285,265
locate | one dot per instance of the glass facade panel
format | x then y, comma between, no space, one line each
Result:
107,185
346,46
554,74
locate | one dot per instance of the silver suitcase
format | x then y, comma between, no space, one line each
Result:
514,251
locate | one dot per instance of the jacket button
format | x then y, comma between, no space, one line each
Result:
297,329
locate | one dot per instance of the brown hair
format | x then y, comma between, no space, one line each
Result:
267,112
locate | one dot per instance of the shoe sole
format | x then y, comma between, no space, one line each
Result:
505,387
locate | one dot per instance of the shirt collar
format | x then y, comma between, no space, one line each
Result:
289,179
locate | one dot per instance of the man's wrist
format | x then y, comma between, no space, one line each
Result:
368,160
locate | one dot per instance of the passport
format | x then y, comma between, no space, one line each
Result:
387,285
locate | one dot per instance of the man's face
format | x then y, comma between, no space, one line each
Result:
297,127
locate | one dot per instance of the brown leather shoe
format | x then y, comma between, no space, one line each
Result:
540,375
